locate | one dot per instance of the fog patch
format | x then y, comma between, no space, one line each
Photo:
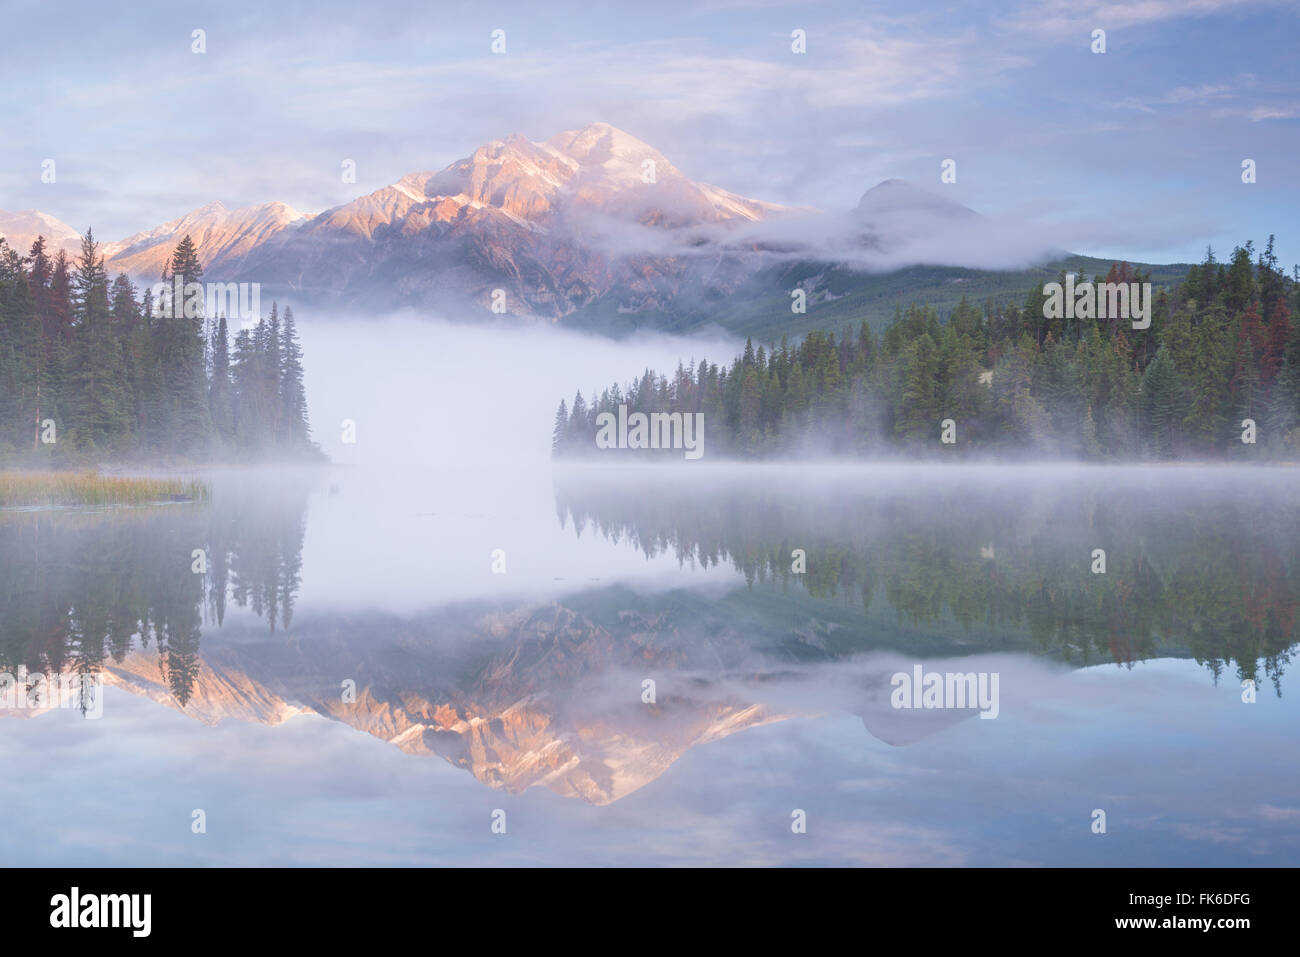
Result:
426,391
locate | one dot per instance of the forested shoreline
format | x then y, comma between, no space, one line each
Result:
1215,376
89,373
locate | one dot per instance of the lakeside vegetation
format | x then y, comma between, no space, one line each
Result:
1014,379
90,488
90,373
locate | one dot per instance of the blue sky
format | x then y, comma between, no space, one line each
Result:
1135,152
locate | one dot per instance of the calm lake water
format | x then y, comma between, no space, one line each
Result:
660,666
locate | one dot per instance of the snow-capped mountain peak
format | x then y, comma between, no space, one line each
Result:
221,236
19,230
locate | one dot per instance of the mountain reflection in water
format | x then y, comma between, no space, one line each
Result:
979,571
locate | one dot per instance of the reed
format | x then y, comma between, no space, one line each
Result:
91,488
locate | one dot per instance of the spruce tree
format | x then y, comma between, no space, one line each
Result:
578,438
187,422
1283,414
1160,403
220,400
273,373
560,433
22,368
101,408
293,396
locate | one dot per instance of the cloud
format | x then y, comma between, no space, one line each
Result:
281,99
1228,100
1059,19
1258,113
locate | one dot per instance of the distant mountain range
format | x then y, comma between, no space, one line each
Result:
591,227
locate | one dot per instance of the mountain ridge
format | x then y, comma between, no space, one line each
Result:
592,227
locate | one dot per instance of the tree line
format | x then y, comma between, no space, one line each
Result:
1221,349
89,371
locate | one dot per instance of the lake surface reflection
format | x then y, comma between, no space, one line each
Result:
672,665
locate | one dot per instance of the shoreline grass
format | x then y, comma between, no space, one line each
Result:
18,489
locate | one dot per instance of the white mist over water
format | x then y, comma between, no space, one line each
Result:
452,460
452,463
434,393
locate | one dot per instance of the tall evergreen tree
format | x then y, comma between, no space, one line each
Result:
183,404
560,433
220,401
1161,403
101,406
293,396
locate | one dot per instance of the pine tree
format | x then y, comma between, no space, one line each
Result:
22,367
578,438
220,400
1283,414
1275,342
184,263
916,411
560,433
60,319
186,421
244,378
101,405
296,431
272,371
1208,359
1239,287
1160,403
1246,386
